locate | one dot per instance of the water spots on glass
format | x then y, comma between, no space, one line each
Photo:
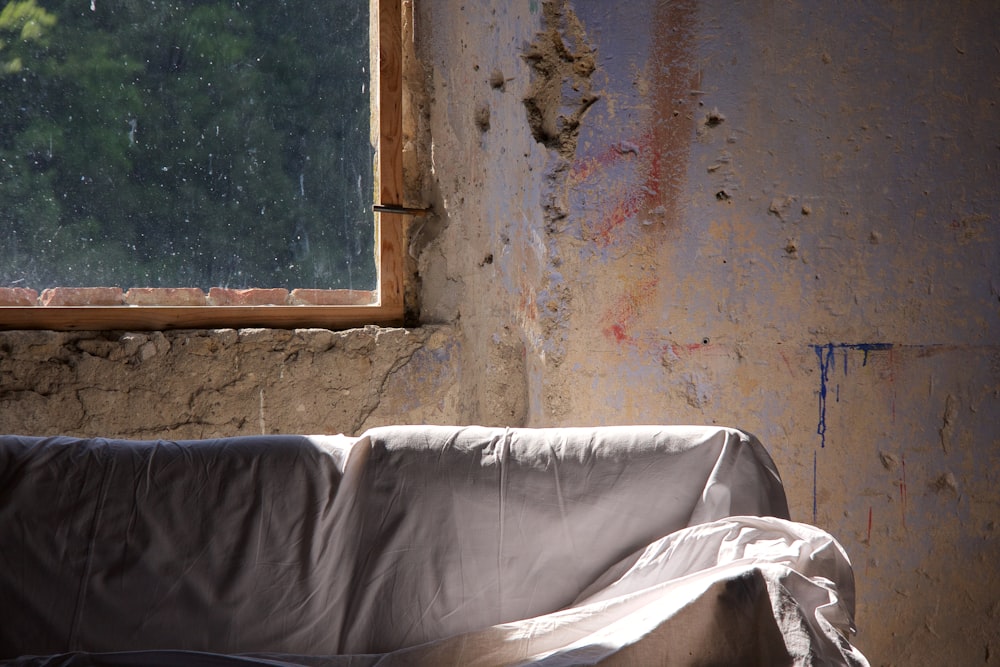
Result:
170,143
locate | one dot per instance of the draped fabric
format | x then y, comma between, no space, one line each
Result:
414,545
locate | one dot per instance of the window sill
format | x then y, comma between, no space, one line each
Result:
155,318
184,296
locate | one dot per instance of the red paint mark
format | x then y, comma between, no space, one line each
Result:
626,308
787,363
902,489
619,332
635,197
656,182
633,201
675,76
690,348
526,304
704,347
583,170
892,384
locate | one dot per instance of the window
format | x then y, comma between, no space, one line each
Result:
239,197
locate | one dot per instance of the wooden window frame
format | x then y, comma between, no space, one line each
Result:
382,306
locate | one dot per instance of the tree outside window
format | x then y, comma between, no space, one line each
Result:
186,143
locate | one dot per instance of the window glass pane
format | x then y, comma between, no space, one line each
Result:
185,143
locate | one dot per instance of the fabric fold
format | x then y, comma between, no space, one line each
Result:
415,545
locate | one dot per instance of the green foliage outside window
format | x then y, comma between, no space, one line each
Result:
186,143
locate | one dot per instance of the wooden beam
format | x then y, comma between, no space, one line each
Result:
156,318
388,29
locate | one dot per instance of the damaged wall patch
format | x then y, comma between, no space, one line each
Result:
561,91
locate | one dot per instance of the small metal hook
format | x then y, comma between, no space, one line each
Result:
401,210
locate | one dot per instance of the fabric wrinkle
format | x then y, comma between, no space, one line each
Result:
107,471
420,545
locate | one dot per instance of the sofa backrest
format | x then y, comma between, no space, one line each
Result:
120,545
502,524
328,545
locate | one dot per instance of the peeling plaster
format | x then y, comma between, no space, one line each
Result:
561,91
220,382
736,200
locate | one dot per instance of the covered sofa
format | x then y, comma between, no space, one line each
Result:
414,545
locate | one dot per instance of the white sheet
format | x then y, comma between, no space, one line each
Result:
415,546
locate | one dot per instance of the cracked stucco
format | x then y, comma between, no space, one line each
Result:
194,384
780,218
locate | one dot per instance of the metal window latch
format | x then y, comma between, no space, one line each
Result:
401,210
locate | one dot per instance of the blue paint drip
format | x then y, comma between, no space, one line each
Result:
824,376
827,355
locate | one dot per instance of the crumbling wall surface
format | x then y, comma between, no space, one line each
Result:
225,382
779,216
482,263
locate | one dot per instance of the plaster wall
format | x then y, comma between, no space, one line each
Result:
775,215
780,216
226,382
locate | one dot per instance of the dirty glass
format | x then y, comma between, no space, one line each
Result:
188,143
